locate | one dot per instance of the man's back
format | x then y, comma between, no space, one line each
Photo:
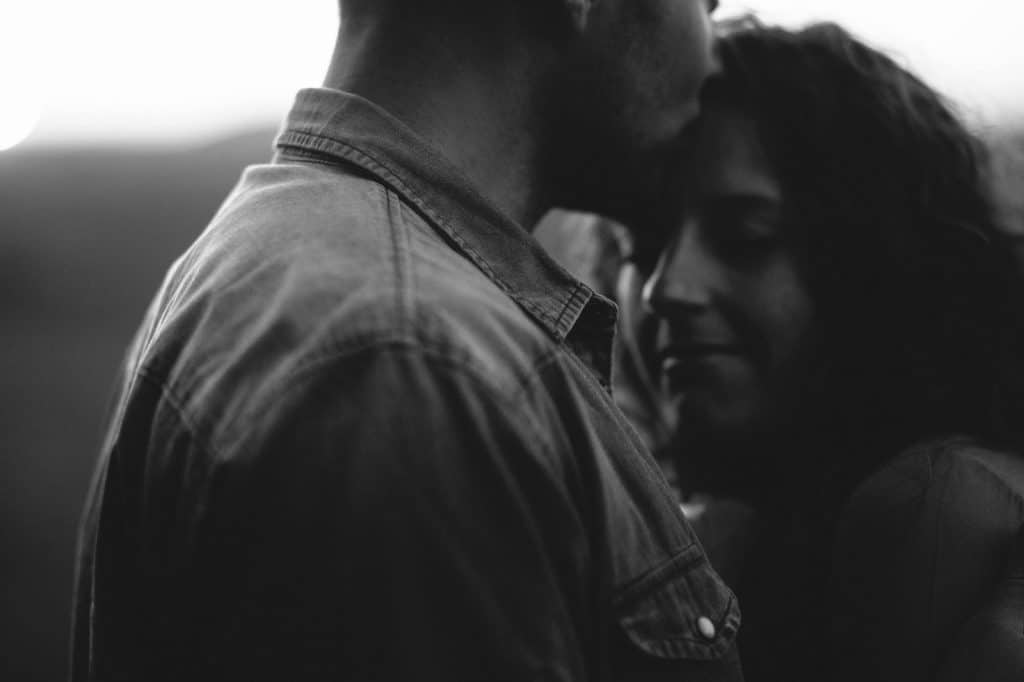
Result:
364,433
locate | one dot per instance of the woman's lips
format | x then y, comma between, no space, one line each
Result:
684,351
686,361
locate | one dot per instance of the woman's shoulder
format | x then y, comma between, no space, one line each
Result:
920,545
946,503
944,467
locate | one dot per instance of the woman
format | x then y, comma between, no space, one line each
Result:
839,331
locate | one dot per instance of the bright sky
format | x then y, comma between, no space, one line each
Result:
116,70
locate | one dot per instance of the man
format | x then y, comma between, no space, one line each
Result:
364,431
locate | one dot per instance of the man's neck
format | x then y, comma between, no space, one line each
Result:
471,101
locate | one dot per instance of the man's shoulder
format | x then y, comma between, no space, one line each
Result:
306,265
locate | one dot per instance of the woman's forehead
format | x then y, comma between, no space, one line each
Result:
729,160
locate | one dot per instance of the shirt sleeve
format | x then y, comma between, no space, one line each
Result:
918,549
402,520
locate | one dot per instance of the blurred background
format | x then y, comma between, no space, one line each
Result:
122,126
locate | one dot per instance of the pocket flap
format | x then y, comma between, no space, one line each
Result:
680,609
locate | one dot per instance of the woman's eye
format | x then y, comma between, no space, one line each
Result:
744,239
754,234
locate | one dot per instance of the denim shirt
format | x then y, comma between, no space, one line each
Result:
365,432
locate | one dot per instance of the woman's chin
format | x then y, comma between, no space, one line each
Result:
715,414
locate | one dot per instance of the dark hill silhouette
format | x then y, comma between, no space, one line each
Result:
106,220
86,235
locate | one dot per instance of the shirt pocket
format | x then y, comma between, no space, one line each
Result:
680,609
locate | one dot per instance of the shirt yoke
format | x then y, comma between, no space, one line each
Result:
261,298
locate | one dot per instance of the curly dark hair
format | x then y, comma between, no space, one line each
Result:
888,192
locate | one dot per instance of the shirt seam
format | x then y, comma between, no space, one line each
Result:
193,429
399,256
294,380
510,400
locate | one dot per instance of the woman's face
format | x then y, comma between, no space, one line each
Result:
737,337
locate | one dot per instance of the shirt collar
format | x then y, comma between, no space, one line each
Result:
339,126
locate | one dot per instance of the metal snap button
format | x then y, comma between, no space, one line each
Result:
706,627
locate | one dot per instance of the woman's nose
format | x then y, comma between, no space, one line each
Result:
681,281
